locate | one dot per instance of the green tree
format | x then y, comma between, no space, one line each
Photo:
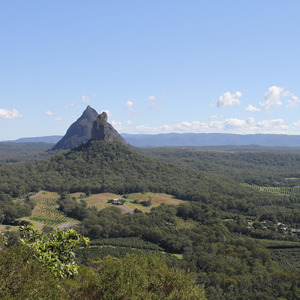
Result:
24,277
55,250
136,278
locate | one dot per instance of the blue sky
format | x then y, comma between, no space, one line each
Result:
154,66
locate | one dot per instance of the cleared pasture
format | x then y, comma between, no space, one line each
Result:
133,201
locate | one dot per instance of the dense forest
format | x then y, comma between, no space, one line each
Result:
258,167
19,152
231,235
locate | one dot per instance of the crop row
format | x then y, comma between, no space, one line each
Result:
131,242
280,190
46,210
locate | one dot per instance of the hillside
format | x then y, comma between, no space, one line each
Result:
15,152
253,167
98,166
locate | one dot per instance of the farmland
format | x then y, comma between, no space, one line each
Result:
277,190
46,210
133,201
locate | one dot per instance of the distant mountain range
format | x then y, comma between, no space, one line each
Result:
52,139
82,130
210,139
192,139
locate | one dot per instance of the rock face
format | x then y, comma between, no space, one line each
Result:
79,132
102,130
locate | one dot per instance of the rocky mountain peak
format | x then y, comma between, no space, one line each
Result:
103,131
89,112
79,132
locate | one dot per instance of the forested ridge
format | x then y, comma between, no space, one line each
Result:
112,167
18,152
259,167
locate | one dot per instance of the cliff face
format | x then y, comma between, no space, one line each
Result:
102,130
79,132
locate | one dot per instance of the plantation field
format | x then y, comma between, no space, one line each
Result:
279,244
87,255
288,259
277,190
46,212
133,201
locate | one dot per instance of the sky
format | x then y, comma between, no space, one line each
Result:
226,66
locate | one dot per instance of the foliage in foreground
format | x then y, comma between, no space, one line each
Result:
55,250
24,277
30,272
134,277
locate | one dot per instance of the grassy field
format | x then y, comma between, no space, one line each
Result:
100,200
133,201
46,212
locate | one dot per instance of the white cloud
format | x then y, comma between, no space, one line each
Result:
57,119
117,125
151,98
292,103
129,122
129,107
85,99
229,99
9,114
49,113
230,125
277,124
252,108
233,123
273,97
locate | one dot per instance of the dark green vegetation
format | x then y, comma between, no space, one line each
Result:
20,152
11,210
229,264
112,167
259,168
219,233
44,268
